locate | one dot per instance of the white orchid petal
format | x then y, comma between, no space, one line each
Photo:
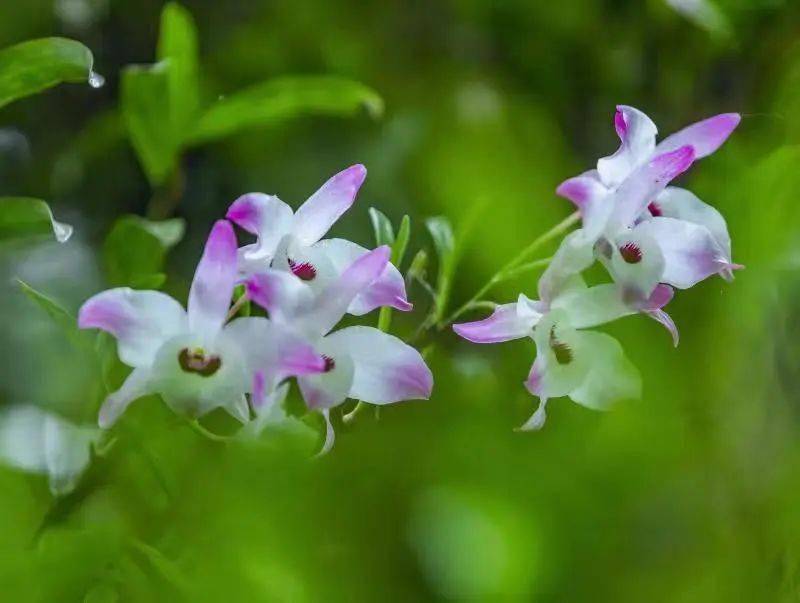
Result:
331,305
611,376
637,134
537,419
315,217
507,322
636,264
140,321
214,280
330,435
594,306
388,289
704,136
280,293
272,349
645,184
679,203
691,254
386,369
265,216
135,386
574,255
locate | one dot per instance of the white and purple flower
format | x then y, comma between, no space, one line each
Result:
191,357
646,233
588,367
292,241
361,362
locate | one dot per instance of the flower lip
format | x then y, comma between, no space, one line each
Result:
561,350
631,253
303,270
197,361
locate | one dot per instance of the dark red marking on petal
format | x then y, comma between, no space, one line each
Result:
655,209
330,363
561,350
196,361
631,253
303,270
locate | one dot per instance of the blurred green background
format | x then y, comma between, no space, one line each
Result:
687,495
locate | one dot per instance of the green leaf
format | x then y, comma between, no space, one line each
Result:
280,99
33,66
145,109
66,321
401,242
177,46
382,226
381,223
135,249
418,266
26,217
444,242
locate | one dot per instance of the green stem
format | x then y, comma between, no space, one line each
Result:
237,305
527,267
167,197
514,266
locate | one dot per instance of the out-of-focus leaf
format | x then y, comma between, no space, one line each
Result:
66,321
25,217
99,137
135,249
704,14
36,65
168,232
401,242
283,98
145,109
177,46
445,244
382,226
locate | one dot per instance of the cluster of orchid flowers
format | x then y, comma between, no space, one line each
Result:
651,238
207,357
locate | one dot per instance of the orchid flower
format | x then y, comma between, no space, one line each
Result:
645,232
190,357
588,367
37,441
361,362
290,241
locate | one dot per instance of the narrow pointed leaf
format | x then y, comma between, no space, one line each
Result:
59,315
275,101
178,47
135,250
444,241
145,109
382,227
401,242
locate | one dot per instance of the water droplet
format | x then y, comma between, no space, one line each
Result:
96,80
